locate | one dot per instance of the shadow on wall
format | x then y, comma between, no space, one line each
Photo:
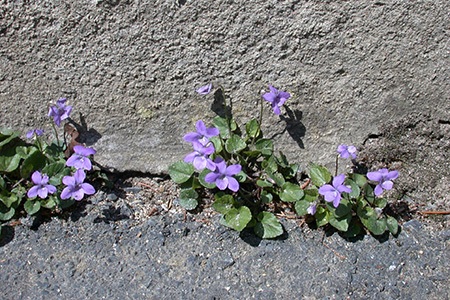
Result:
87,136
294,126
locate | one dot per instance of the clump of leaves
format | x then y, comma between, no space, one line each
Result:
251,181
35,174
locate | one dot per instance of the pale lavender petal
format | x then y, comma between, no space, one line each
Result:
337,200
79,176
44,179
210,165
88,188
190,157
192,137
378,190
276,109
312,209
338,180
66,193
387,185
375,176
50,188
69,180
36,177
204,90
199,162
84,151
324,189
331,196
284,96
392,175
233,170
87,165
201,127
33,192
78,194
273,90
344,189
269,97
30,134
233,184
222,183
212,131
73,160
42,193
211,177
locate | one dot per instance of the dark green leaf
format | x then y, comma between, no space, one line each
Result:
263,183
370,220
32,206
222,124
10,199
368,193
270,165
9,159
252,128
48,203
291,192
319,175
54,168
35,161
322,216
341,224
238,218
380,202
265,146
392,225
266,197
359,179
6,213
235,144
181,171
311,194
344,208
7,135
241,176
302,206
25,151
217,142
282,160
224,203
268,226
355,188
188,199
277,178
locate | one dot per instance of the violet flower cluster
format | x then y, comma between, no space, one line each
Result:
75,188
221,175
332,192
384,179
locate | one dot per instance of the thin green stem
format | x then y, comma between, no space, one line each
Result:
337,161
56,134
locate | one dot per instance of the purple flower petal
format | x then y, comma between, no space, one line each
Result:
36,177
375,176
205,90
338,180
222,183
88,188
33,191
233,184
233,170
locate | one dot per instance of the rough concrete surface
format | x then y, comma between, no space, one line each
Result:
130,68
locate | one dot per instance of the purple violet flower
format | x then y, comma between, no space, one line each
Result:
276,98
80,159
200,157
33,132
312,208
204,90
222,175
384,178
347,151
76,187
41,187
60,111
332,193
202,135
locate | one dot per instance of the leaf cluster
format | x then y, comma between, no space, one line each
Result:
269,183
357,210
267,179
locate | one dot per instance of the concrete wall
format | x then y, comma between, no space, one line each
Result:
130,68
